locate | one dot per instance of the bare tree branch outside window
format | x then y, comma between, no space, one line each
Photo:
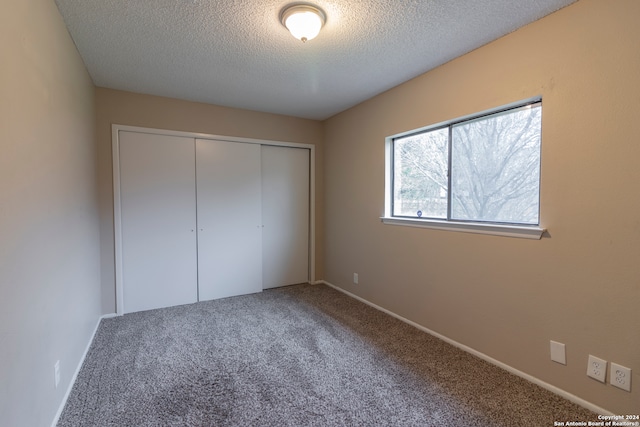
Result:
495,169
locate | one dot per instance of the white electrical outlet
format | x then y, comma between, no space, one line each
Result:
355,278
597,368
620,377
558,353
56,373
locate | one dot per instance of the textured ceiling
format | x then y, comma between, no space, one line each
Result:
236,53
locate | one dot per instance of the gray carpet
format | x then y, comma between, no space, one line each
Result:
296,356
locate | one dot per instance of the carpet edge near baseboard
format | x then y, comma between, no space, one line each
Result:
545,385
63,403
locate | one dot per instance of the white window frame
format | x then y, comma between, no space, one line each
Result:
496,229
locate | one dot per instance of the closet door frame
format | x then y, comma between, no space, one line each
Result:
117,205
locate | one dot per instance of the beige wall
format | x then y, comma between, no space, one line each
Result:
125,108
507,297
502,296
49,231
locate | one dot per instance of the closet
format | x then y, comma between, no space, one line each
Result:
203,218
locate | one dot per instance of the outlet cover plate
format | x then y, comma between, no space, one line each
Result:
56,373
620,377
558,353
597,368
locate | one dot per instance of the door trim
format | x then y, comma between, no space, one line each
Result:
117,206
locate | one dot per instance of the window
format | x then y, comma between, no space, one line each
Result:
482,170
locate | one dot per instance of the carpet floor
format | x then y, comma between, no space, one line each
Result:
304,355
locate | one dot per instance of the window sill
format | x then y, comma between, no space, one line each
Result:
523,232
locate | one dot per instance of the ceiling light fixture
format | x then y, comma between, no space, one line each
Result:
303,21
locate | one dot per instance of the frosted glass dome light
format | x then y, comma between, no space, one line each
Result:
303,21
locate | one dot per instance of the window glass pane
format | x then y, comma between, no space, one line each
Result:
420,174
495,162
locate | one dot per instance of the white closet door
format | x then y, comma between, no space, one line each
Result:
285,213
158,199
229,219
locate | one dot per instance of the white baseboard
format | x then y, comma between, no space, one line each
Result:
571,397
77,371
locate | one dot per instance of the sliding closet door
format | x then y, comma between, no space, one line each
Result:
229,218
285,212
158,217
